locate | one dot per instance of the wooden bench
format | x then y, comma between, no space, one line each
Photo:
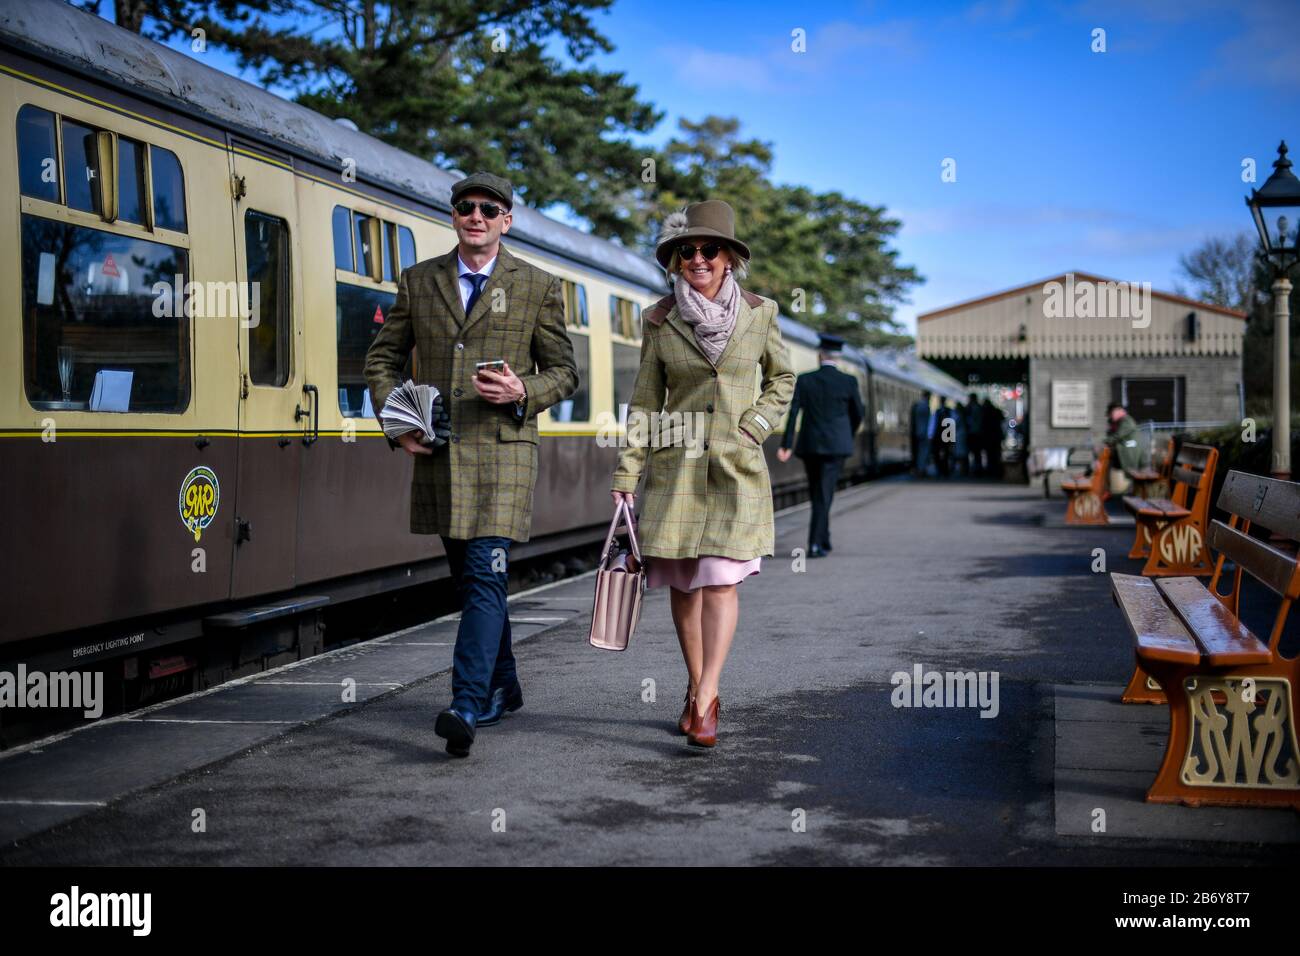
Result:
1232,697
1171,531
1154,482
1087,494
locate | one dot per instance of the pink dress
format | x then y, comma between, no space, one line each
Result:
687,574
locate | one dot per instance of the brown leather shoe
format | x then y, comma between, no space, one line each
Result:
684,721
704,727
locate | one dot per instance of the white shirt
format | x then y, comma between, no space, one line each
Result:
466,287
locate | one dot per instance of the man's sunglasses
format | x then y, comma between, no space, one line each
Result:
465,207
709,250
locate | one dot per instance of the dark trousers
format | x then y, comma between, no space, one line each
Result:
483,660
823,472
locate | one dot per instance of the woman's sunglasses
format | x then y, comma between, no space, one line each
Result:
709,250
465,207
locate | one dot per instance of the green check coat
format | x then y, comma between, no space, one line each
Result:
481,482
707,490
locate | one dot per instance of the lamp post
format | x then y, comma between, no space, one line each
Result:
1280,196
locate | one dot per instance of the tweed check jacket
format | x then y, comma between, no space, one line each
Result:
707,490
481,482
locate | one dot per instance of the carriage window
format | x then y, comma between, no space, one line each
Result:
130,181
577,407
270,305
362,233
386,230
575,304
624,318
38,161
342,223
168,189
405,247
97,335
627,359
80,165
359,315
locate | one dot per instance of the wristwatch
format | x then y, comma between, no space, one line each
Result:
521,403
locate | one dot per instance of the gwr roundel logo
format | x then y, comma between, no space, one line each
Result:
200,496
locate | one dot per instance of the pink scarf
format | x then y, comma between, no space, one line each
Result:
713,319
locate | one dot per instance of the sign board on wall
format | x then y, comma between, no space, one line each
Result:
1071,404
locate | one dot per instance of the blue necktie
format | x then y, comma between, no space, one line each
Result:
476,280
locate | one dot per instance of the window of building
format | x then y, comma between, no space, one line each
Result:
266,245
38,160
93,338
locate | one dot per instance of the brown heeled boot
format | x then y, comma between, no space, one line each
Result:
687,717
704,727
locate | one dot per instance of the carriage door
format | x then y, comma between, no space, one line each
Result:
275,414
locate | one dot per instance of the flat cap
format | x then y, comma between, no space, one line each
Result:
485,182
829,343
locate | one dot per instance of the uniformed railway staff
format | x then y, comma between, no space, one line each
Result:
832,411
707,517
478,303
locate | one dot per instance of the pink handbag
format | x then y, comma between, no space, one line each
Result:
620,581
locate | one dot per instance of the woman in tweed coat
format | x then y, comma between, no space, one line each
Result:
697,430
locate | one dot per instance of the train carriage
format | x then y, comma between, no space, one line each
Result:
194,271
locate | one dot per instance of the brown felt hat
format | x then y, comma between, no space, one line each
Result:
711,219
487,183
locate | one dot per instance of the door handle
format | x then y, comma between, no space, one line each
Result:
299,413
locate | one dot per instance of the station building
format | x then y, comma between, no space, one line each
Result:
1079,341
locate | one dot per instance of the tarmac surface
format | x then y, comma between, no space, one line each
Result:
815,763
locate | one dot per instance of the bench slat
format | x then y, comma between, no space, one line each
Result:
1267,501
1187,476
1195,456
1272,568
1157,631
1227,641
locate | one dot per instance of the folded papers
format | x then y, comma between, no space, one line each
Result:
412,407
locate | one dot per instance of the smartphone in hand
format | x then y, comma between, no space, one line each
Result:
495,365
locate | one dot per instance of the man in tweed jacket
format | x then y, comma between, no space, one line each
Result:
478,303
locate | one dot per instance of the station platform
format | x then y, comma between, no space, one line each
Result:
815,762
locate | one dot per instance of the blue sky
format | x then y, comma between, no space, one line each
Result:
1112,163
